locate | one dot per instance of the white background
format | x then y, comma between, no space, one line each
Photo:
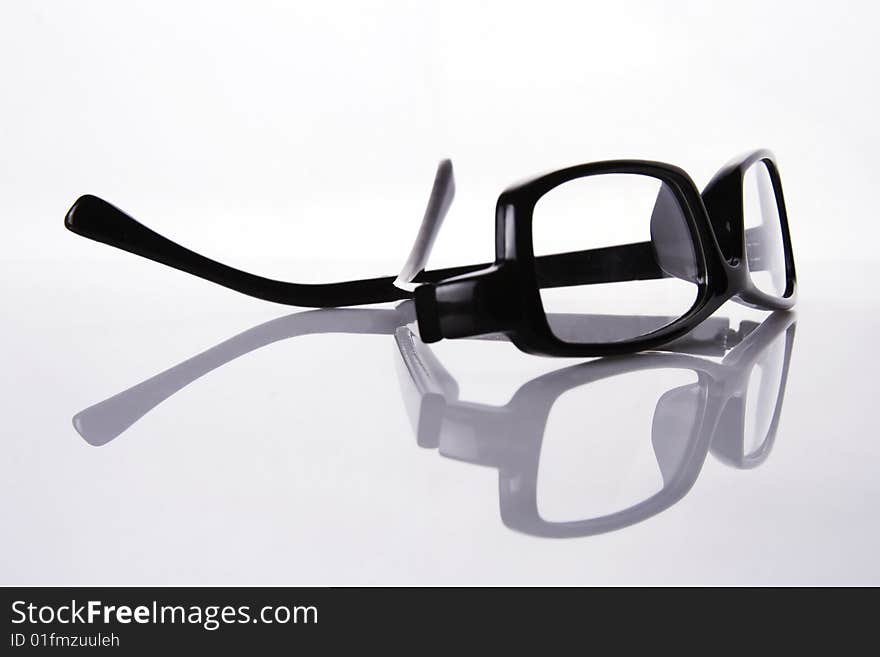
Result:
298,141
295,129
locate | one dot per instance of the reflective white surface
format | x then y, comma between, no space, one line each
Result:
297,462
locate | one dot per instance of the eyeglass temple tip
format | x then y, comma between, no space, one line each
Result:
92,217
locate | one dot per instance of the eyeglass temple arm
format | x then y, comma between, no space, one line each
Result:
98,220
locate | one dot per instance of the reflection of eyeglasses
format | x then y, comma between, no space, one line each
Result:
684,255
732,408
687,420
106,420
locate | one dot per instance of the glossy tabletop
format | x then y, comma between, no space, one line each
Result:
202,437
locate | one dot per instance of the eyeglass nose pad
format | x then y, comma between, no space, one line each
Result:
675,418
671,237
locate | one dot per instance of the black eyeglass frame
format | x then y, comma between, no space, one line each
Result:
506,296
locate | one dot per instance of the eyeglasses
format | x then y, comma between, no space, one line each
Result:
558,255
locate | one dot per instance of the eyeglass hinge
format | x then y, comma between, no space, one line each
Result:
473,304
